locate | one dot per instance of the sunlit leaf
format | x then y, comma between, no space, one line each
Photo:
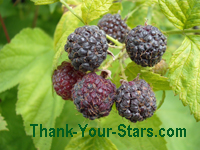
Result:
43,2
183,14
132,140
67,24
93,9
28,60
184,73
3,124
80,142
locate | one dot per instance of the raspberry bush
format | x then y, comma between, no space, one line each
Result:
99,64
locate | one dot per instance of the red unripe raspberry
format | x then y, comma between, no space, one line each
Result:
64,78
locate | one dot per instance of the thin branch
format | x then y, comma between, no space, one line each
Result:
72,11
35,17
113,46
149,14
4,29
113,40
118,56
16,2
131,13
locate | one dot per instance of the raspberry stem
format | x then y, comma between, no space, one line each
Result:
113,40
149,14
132,12
4,29
118,56
72,11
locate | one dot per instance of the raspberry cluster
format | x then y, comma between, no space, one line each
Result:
94,95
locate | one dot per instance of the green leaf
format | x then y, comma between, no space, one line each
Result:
178,117
44,2
79,142
74,2
72,117
128,141
184,73
3,124
1,1
18,57
16,137
5,9
28,60
115,8
155,80
67,24
52,7
183,14
93,9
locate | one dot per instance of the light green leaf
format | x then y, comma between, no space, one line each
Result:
127,141
155,80
43,2
93,9
73,118
178,117
67,24
184,73
79,142
74,2
183,14
115,7
28,60
18,57
3,124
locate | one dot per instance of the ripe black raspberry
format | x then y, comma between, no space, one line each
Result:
114,26
145,45
135,100
93,96
64,78
87,48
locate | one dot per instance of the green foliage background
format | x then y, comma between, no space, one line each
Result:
38,34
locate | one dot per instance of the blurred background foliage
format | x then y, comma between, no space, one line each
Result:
19,15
